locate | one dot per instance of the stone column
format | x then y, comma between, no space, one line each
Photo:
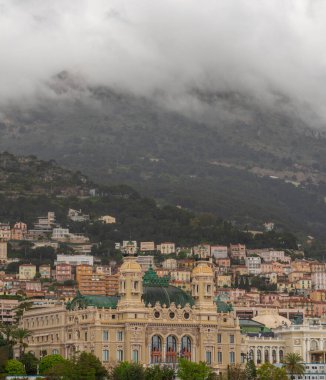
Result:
255,355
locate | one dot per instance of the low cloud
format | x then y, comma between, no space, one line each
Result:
175,50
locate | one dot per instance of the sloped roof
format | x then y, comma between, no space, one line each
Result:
82,301
165,295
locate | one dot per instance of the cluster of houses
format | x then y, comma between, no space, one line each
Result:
265,289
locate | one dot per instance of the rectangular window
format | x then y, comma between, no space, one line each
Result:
120,356
208,357
219,358
105,335
120,336
105,355
232,357
232,339
135,356
219,338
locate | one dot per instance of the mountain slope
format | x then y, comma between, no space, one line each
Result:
209,164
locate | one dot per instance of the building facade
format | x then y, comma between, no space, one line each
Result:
151,322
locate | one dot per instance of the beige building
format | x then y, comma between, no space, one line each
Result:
150,322
166,248
27,271
107,219
147,246
3,251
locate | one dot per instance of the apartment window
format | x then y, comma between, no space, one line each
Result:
105,355
232,357
86,336
219,358
219,338
232,339
120,336
208,357
120,355
105,335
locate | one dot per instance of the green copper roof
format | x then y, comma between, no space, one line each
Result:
151,278
249,326
165,295
82,301
223,307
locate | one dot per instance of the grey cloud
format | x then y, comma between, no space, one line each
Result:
171,49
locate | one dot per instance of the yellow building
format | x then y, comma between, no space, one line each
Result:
27,271
303,284
150,322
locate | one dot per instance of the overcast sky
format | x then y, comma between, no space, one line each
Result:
258,47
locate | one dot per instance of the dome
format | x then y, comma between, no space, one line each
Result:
272,321
202,269
130,265
165,295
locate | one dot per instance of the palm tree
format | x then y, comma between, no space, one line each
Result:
20,335
293,364
22,307
8,332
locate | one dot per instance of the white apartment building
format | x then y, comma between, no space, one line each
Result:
75,260
272,255
313,371
219,251
145,262
253,263
60,233
318,280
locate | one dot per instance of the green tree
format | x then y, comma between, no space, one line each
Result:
293,364
250,370
159,373
14,367
88,363
128,371
235,372
50,361
268,371
30,362
193,371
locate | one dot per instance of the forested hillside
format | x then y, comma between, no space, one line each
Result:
268,166
137,217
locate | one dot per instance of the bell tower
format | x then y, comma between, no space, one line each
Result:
203,286
130,283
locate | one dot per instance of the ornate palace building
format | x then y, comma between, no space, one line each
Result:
149,322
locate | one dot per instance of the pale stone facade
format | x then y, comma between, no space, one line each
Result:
141,325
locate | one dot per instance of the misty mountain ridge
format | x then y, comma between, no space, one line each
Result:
218,156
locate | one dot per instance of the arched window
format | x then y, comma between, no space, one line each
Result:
258,356
266,356
156,349
251,355
186,347
281,356
313,345
274,356
171,349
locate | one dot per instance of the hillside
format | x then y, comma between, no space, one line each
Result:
138,217
206,164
